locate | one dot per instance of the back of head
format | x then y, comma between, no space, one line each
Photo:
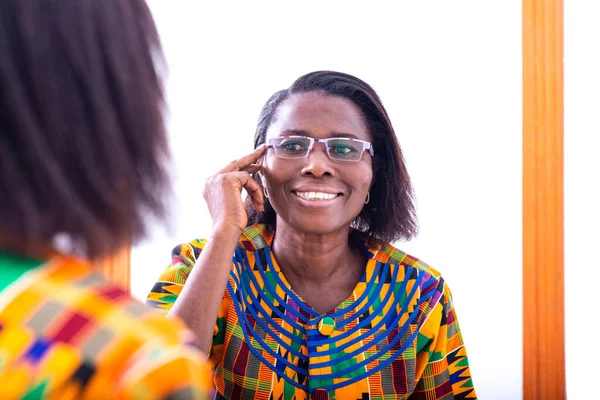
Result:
82,137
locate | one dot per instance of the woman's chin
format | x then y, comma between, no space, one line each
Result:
318,226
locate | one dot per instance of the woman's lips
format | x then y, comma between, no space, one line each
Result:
314,196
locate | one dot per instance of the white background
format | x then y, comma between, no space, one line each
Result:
582,196
449,74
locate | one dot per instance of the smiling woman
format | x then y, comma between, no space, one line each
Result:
297,186
315,302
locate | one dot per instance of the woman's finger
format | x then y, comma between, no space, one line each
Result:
252,168
256,195
241,163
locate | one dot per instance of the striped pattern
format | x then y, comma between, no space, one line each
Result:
65,332
395,336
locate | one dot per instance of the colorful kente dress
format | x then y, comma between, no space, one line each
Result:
67,333
395,337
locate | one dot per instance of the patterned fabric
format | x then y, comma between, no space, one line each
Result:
396,336
67,333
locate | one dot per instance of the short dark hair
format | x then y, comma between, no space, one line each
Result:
82,135
390,214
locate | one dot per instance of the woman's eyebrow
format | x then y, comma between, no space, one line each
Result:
301,132
295,132
342,134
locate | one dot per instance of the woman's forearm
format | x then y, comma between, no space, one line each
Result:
200,299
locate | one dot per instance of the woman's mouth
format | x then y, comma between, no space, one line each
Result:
313,196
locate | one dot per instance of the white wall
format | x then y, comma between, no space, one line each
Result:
449,74
582,196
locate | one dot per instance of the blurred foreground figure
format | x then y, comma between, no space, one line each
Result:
82,146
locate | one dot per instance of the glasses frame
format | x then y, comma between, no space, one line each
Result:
365,146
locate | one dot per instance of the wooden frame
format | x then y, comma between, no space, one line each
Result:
117,268
543,243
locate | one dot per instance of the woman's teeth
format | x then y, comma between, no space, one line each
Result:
316,195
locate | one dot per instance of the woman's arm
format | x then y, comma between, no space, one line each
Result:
200,299
442,364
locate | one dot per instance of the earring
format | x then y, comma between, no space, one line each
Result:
368,198
265,192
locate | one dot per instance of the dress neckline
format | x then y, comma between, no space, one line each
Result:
348,302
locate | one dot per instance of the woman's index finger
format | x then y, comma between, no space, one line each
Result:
244,162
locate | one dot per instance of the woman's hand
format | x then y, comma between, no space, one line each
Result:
201,297
222,192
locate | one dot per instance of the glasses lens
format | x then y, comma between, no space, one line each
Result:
292,147
345,149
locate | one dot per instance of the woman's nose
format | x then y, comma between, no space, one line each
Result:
318,163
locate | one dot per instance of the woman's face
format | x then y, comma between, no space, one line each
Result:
315,194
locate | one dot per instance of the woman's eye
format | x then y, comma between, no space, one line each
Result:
342,149
293,146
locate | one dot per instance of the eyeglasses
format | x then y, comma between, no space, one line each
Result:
338,149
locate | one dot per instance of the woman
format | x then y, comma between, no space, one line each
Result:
317,302
81,145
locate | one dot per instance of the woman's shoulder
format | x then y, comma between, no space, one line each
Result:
188,252
429,279
388,253
58,287
254,237
110,317
185,255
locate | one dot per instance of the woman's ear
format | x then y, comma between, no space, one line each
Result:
261,160
263,179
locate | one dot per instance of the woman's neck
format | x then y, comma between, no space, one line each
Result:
314,259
